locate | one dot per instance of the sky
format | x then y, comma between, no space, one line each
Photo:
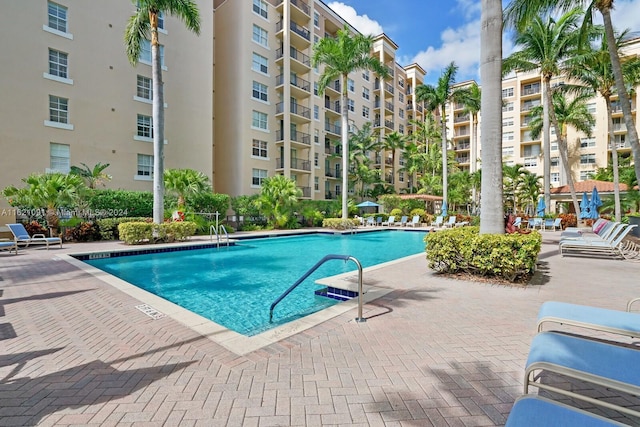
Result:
433,33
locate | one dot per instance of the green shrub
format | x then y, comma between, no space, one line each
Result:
420,212
340,224
396,212
510,256
120,203
84,231
108,227
176,230
208,202
133,233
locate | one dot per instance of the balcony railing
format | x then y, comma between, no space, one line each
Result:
390,124
463,118
388,88
296,163
333,106
619,127
462,133
527,106
463,146
389,106
301,137
294,54
301,5
296,81
306,191
333,174
462,159
300,110
620,144
300,30
335,129
531,90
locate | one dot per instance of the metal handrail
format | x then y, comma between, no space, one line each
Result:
314,268
212,231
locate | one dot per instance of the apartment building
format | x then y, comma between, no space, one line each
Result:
75,98
270,117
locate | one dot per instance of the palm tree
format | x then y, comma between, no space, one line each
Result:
520,12
545,44
528,191
277,197
592,68
185,182
471,97
491,214
574,113
436,98
512,177
393,142
92,176
143,25
342,55
51,191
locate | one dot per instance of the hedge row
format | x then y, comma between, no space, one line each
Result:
135,233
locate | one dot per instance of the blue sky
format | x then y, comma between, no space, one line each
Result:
435,32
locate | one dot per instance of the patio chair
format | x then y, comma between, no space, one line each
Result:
595,318
8,246
553,224
531,410
613,248
451,222
612,366
438,222
402,222
390,221
535,223
415,221
370,221
517,222
607,233
599,228
21,236
379,221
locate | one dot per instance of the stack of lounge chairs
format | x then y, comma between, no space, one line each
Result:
610,364
607,239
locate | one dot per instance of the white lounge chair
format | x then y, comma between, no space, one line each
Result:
438,222
415,221
21,236
390,221
451,222
402,222
8,246
597,247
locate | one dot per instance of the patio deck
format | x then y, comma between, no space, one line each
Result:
434,351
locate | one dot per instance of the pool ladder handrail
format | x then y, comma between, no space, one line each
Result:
326,258
212,231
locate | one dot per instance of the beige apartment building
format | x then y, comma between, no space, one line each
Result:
75,98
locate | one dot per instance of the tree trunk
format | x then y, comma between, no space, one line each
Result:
345,148
443,122
53,221
547,107
623,97
614,161
158,123
491,212
474,160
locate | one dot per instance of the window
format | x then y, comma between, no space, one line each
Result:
555,162
584,175
401,97
591,107
259,120
145,126
58,109
588,159
507,93
161,20
555,177
531,151
59,157
316,183
316,136
57,17
352,105
507,136
365,93
530,162
365,112
261,8
315,88
145,53
144,88
401,113
587,142
316,19
257,176
316,112
365,75
401,82
351,85
58,63
259,148
260,64
259,91
507,151
554,146
507,107
260,36
145,165
316,160
401,128
531,88
507,121
401,176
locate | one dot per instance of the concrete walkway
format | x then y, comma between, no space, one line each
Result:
74,350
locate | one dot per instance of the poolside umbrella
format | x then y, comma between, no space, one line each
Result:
444,209
595,204
368,204
584,206
541,207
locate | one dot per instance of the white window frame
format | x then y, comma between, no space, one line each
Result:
316,112
351,105
144,127
259,149
507,92
588,159
365,75
587,143
261,8
57,17
260,64
316,19
260,91
507,121
365,111
507,107
58,64
508,151
145,54
316,160
554,162
351,85
555,177
144,88
366,94
58,109
144,167
258,175
508,136
585,174
401,113
59,157
260,36
260,120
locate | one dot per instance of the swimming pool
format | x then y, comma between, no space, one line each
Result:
234,286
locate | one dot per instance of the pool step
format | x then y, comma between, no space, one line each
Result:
336,293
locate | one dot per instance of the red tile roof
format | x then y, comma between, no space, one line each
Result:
582,186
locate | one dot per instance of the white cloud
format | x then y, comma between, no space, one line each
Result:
362,23
625,15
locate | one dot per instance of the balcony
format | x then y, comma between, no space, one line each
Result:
296,163
464,146
388,161
296,81
301,137
303,35
389,124
333,107
333,174
462,159
389,106
619,127
301,5
528,106
306,191
461,118
301,63
301,31
462,132
334,129
388,88
533,90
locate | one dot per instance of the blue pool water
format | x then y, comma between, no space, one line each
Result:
234,286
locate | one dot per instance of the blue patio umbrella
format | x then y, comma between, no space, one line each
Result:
368,204
584,207
595,204
541,207
444,208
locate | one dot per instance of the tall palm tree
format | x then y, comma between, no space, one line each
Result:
491,214
592,68
519,13
471,98
512,178
528,191
143,25
436,98
92,176
393,142
362,142
545,45
342,55
278,195
185,182
574,113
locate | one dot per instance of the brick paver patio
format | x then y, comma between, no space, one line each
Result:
434,351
